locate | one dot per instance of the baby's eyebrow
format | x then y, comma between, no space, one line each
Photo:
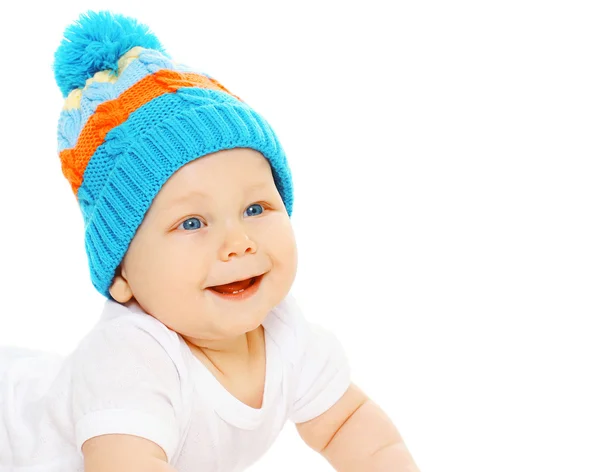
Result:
199,194
258,186
168,206
187,196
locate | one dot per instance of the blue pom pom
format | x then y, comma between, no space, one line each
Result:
95,42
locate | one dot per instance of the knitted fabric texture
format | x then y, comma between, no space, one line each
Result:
125,130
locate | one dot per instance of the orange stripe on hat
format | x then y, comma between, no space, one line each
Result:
110,114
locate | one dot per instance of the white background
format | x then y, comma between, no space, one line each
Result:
445,159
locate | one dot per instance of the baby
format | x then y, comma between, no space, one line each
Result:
200,355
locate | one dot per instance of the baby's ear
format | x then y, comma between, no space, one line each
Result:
120,289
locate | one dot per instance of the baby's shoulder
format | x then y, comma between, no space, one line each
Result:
121,323
287,325
128,335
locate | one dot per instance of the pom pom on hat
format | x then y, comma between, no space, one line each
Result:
94,43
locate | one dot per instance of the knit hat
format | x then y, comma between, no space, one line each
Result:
132,117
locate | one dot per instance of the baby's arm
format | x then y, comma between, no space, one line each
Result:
126,397
355,435
123,453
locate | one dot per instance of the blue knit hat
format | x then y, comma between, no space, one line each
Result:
132,117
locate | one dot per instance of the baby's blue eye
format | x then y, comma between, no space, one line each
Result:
255,209
191,223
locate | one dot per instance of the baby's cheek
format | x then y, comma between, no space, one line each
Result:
291,243
287,255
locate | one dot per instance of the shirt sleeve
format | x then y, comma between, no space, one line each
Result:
323,371
124,382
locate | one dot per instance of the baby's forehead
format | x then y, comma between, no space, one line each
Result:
215,190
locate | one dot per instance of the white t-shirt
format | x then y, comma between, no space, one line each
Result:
133,375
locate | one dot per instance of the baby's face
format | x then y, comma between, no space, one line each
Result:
217,220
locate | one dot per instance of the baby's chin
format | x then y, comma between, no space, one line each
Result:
206,315
215,326
239,317
237,323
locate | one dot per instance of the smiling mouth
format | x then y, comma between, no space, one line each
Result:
238,287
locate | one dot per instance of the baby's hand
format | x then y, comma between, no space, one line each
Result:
123,453
355,435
